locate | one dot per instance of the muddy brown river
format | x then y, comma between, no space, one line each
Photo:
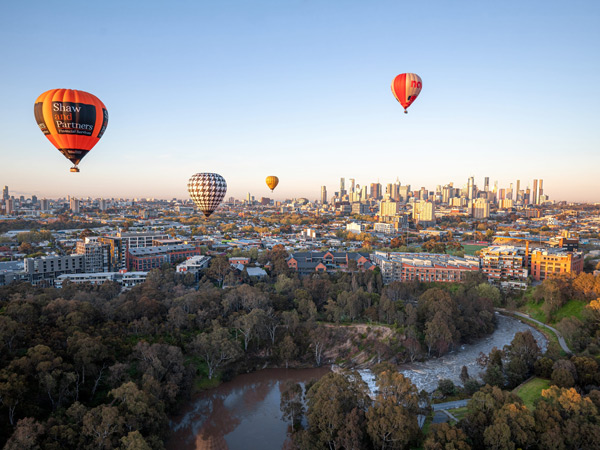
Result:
244,414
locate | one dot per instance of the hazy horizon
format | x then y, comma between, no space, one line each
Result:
301,90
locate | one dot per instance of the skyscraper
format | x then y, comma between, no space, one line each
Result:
388,190
5,195
535,192
486,184
517,194
323,195
471,188
352,181
342,187
540,191
376,191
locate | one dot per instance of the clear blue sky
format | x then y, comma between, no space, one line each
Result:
301,89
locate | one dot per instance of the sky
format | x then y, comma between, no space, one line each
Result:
301,89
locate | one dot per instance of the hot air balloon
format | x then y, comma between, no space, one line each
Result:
272,182
406,88
207,190
74,121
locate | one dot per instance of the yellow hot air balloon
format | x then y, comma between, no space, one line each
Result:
272,182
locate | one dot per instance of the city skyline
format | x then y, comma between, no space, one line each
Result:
330,194
302,91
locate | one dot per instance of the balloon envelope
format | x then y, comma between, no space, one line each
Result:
207,190
406,88
74,121
272,182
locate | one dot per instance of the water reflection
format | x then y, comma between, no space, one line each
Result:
241,414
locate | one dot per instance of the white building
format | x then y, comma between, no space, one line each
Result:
386,228
193,264
355,227
125,279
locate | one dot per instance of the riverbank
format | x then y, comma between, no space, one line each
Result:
245,411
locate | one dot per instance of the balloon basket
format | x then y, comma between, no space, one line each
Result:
75,169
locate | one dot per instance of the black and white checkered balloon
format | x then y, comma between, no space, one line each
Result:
207,190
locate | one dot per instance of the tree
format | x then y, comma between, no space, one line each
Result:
26,435
480,412
13,391
219,266
464,374
291,403
247,325
214,348
287,349
563,373
330,402
513,427
445,437
134,441
102,426
319,338
392,420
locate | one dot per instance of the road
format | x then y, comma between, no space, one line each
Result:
561,340
450,405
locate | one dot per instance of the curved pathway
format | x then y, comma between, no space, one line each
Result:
561,340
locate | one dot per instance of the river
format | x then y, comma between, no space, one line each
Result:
244,413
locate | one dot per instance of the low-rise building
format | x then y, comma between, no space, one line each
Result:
547,262
43,270
505,265
386,228
125,279
425,267
355,227
193,264
306,263
145,259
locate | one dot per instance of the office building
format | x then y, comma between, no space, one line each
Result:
535,192
547,262
74,204
481,209
323,195
376,191
360,208
471,188
388,207
424,213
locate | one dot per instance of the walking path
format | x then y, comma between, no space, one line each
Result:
561,340
450,405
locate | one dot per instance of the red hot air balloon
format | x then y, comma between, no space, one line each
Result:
74,121
406,88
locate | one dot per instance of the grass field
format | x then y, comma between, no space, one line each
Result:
459,413
531,391
470,249
573,308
